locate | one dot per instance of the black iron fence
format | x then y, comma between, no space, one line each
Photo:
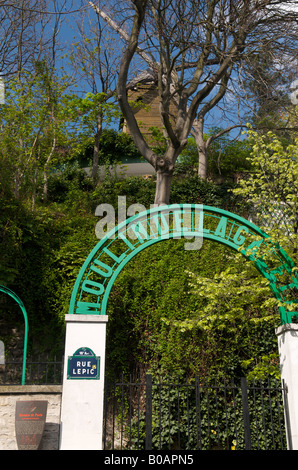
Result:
39,371
171,415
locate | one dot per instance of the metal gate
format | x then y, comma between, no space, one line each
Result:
195,415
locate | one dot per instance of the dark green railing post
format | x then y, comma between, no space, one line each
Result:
12,294
148,445
245,409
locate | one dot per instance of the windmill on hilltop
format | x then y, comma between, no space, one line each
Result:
143,91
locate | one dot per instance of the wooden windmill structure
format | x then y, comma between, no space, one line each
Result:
143,90
144,95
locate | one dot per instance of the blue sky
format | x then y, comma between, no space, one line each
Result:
69,34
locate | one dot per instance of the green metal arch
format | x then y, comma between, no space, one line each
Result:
12,294
107,259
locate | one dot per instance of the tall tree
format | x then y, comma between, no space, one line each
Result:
96,64
29,30
267,84
198,49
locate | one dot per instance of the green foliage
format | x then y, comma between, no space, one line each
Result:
171,310
167,328
63,184
158,142
189,154
33,129
155,322
226,157
41,254
83,116
270,191
204,415
237,299
44,249
195,190
11,232
185,190
118,147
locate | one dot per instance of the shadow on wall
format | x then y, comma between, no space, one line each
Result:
50,437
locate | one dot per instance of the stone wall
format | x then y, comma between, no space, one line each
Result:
9,395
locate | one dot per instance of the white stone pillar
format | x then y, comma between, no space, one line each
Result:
83,382
287,336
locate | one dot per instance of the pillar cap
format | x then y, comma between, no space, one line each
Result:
286,327
72,317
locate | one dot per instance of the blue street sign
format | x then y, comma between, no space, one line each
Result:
83,365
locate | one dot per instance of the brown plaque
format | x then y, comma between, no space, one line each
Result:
29,423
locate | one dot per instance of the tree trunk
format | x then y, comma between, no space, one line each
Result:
198,134
163,187
164,174
202,170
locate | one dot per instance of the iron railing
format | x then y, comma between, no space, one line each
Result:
39,371
173,415
163,414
